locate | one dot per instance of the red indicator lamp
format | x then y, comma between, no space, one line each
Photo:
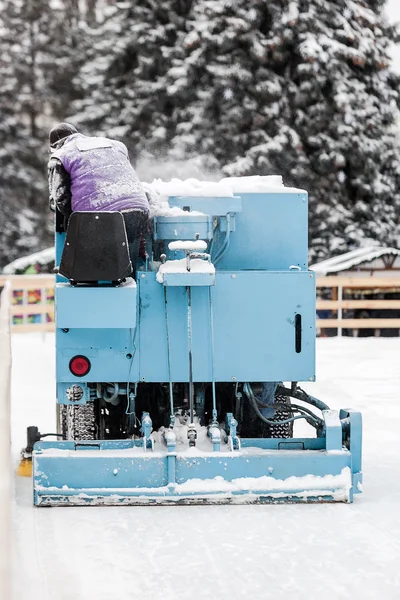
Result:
79,365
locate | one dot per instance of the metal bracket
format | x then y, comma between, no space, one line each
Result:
215,434
192,435
145,430
231,426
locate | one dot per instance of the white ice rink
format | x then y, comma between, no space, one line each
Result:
261,552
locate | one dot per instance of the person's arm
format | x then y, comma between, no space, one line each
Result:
59,187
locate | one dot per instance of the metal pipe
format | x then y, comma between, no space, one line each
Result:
300,394
214,396
191,391
225,244
171,393
113,399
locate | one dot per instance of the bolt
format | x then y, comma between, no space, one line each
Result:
311,379
234,276
233,378
143,276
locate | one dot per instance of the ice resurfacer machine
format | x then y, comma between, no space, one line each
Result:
180,385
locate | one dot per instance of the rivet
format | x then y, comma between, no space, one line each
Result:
143,276
233,378
311,379
234,276
96,217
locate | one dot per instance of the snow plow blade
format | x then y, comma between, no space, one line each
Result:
121,472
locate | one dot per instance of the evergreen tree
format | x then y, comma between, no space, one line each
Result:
124,80
21,179
39,44
301,88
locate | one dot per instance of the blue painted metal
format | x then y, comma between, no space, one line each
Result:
240,328
191,279
271,233
111,352
145,430
183,228
212,205
84,307
122,472
230,427
271,299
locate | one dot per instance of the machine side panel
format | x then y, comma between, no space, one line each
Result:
255,329
153,334
153,331
255,335
110,351
271,233
97,307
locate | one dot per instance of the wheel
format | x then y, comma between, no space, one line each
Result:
78,422
253,426
281,414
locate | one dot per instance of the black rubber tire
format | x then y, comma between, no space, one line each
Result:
284,430
253,426
78,422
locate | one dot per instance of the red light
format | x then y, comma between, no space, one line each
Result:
79,366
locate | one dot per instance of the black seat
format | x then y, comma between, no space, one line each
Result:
96,248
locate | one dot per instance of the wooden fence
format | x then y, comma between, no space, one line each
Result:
32,302
342,286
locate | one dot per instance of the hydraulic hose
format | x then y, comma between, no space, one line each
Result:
254,402
301,395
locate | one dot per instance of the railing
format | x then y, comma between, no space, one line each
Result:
32,305
32,302
365,285
5,442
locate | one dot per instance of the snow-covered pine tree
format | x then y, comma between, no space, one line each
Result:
302,88
22,181
124,80
40,44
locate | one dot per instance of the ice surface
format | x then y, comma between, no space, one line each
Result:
335,552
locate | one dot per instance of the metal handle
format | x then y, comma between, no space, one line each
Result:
297,328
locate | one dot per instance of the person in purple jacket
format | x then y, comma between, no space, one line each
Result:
94,174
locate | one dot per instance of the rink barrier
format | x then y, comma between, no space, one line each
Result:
339,285
32,302
5,443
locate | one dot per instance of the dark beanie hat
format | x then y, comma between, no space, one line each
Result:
61,131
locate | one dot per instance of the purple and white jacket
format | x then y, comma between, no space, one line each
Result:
101,176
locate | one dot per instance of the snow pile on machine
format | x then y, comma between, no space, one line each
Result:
170,390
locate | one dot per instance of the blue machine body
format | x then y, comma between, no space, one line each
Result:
250,319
